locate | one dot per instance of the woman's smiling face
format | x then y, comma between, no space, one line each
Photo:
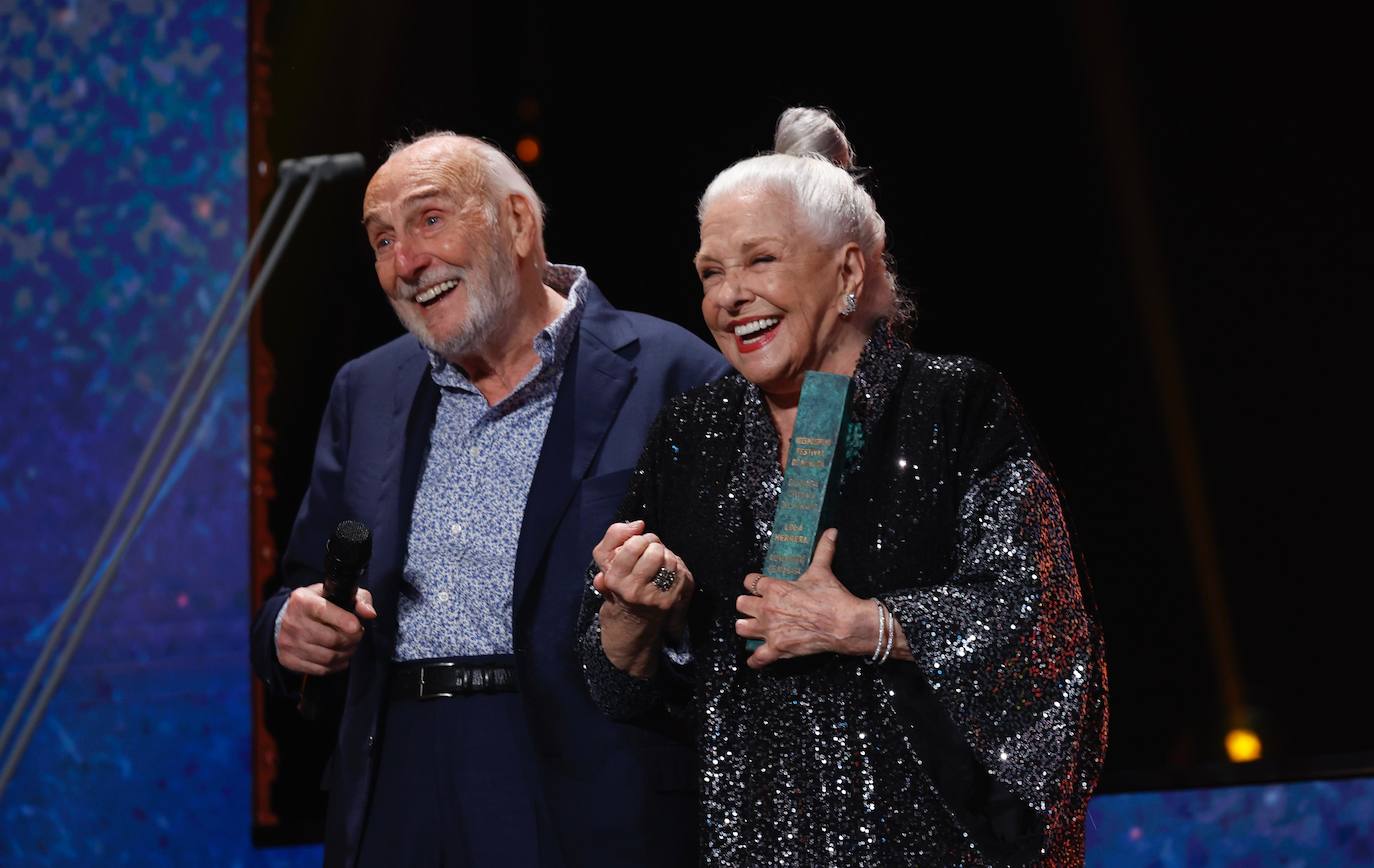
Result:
771,291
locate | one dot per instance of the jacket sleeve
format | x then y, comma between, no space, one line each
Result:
303,562
616,693
1008,680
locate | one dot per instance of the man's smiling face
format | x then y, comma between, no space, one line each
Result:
440,256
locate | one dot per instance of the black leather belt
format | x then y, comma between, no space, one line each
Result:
450,678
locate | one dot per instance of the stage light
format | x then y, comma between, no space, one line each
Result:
527,149
1243,745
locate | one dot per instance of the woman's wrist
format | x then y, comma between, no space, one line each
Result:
889,644
874,633
630,624
631,643
862,628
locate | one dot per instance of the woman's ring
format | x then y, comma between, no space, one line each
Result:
664,578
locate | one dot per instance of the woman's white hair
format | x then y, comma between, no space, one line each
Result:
813,165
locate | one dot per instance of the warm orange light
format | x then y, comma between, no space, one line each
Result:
1243,746
527,149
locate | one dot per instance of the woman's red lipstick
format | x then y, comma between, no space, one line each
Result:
755,340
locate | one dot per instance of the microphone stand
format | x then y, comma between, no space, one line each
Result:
314,170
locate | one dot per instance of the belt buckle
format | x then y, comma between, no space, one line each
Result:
437,693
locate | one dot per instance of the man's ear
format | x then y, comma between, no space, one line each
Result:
521,225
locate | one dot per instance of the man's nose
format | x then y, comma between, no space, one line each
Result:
410,261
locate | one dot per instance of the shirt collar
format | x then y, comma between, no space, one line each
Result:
554,340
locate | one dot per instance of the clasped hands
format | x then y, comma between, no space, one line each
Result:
637,613
811,615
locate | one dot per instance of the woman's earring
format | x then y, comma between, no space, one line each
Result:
851,304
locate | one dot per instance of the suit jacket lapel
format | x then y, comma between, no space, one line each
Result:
594,385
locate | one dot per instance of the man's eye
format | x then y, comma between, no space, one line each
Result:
709,273
382,243
432,220
763,258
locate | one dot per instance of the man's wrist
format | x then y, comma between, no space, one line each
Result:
276,625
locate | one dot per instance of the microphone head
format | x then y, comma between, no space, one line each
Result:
325,166
351,543
340,165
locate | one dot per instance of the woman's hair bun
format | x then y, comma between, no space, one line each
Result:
802,131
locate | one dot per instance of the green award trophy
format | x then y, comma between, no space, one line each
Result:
811,480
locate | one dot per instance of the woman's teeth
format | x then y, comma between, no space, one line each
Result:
754,327
435,291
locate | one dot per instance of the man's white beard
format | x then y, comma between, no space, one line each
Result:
492,286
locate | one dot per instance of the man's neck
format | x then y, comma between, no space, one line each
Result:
499,366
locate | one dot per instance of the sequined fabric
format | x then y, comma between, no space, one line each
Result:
986,748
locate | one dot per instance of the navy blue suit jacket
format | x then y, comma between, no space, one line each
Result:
616,794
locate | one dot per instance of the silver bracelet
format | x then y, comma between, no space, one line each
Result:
882,624
882,632
891,634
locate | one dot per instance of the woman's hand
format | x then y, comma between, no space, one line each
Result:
812,615
647,589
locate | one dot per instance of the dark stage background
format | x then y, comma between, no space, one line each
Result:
1154,222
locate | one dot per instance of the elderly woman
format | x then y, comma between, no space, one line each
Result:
931,690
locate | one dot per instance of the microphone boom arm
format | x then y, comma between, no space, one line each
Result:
316,170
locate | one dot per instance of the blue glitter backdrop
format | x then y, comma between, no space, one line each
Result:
1308,824
124,208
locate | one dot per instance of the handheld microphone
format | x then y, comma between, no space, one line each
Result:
345,561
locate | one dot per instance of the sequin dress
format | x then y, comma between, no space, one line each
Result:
984,750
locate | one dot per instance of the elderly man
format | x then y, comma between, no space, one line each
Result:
486,457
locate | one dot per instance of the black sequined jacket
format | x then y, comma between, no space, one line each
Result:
982,751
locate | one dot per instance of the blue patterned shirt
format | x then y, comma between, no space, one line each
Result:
465,525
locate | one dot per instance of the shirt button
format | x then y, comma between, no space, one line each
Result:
442,596
475,451
455,528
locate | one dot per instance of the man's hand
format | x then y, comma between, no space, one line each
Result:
317,637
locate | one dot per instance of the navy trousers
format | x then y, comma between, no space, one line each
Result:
456,786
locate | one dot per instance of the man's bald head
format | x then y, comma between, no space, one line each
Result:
465,167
